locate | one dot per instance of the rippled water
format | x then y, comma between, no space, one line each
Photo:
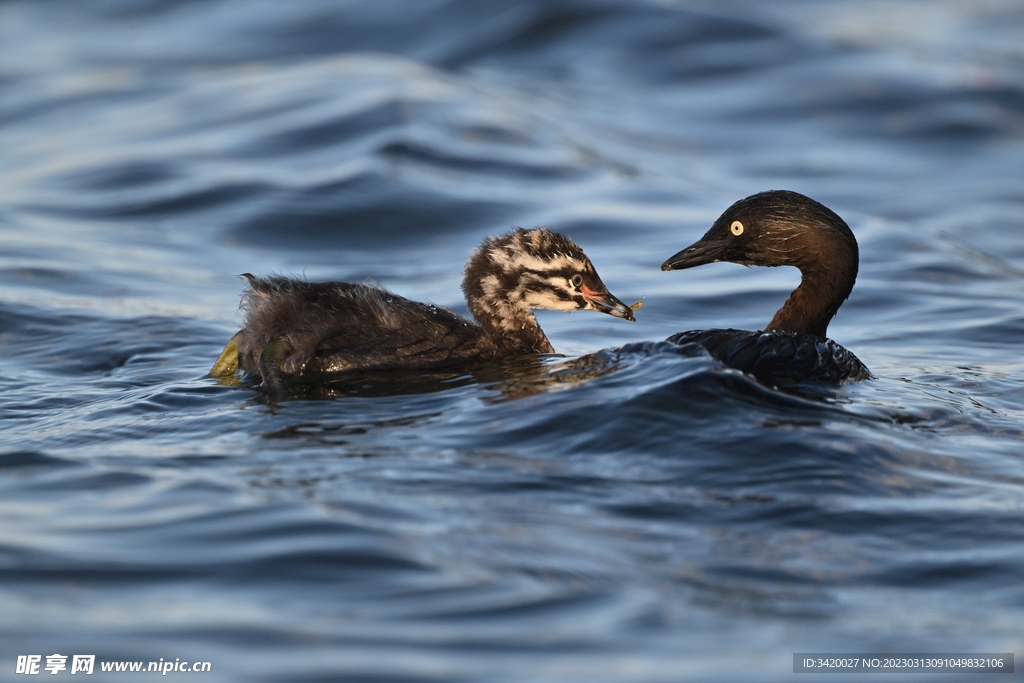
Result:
620,514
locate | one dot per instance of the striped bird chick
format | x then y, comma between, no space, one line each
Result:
296,329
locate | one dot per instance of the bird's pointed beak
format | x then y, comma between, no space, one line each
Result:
697,254
606,303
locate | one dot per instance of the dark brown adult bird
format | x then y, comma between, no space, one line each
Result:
783,228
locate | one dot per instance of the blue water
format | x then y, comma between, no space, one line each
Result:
619,514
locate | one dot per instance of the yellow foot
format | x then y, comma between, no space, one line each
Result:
227,364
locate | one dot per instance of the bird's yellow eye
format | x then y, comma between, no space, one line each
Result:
736,228
577,280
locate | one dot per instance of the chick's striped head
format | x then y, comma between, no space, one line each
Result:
535,269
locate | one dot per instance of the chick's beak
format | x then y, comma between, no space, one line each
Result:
697,254
606,303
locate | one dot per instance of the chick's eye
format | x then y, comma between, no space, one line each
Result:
577,280
736,228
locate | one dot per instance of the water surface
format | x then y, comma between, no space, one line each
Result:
623,513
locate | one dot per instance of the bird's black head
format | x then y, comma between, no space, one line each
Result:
782,228
774,228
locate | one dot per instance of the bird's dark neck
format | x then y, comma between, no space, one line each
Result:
812,305
513,331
